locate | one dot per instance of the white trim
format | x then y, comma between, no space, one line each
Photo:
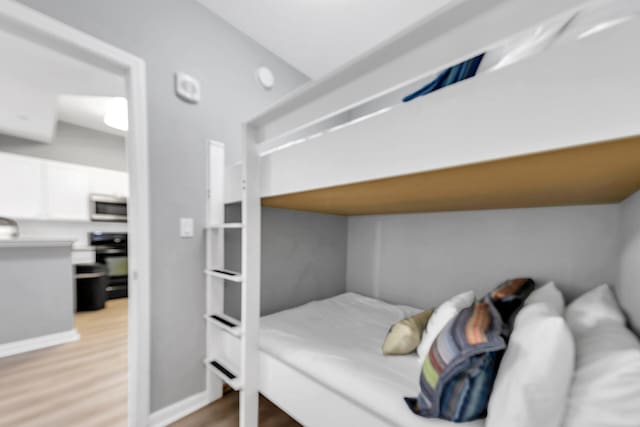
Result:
56,35
178,410
139,237
37,343
251,261
214,258
296,395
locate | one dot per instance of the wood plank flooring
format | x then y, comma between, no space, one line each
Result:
81,384
224,413
84,383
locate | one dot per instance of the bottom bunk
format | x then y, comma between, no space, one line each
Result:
322,362
335,343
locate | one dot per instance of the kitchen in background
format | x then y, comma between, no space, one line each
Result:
63,189
51,199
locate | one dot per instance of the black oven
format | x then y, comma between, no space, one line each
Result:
108,208
111,250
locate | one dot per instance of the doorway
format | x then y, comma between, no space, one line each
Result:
59,194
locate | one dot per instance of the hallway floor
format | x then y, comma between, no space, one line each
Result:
84,383
80,384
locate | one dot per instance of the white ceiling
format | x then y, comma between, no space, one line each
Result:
86,111
32,77
318,36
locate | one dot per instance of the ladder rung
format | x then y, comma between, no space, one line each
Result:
227,225
224,374
226,323
221,273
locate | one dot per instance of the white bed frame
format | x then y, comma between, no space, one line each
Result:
273,165
485,102
310,402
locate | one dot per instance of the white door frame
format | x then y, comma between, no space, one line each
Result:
56,35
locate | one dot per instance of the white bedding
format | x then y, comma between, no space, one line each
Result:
337,342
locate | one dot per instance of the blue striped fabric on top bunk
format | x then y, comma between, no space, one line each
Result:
451,75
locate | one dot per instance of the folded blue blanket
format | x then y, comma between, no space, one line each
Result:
451,75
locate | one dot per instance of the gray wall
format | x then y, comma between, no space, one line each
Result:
73,144
628,285
178,35
37,292
304,258
423,259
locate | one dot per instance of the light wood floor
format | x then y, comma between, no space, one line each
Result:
81,384
84,383
224,413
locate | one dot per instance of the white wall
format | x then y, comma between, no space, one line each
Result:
628,284
423,259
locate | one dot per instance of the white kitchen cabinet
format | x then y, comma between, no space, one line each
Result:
108,182
21,187
33,188
67,191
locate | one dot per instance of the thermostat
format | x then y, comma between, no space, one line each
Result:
187,88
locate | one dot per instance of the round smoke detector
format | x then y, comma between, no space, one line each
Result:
265,77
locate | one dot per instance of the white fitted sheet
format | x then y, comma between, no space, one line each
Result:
337,342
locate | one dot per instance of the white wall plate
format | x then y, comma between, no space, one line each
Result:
187,88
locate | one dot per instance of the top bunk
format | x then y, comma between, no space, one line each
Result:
549,118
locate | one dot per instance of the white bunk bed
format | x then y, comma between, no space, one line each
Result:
321,363
471,122
567,118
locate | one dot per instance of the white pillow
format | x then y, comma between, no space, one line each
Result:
534,378
593,308
439,319
606,384
549,295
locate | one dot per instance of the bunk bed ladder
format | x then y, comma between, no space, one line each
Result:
226,361
221,366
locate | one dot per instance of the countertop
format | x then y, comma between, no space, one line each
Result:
26,242
79,248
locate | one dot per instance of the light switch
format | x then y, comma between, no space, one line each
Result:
186,228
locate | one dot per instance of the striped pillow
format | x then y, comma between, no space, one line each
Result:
508,298
458,374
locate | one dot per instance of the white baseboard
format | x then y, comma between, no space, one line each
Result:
178,410
37,343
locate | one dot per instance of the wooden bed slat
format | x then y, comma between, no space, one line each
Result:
606,172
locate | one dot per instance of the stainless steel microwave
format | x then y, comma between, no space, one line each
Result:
108,208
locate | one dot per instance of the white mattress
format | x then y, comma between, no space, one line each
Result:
337,342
